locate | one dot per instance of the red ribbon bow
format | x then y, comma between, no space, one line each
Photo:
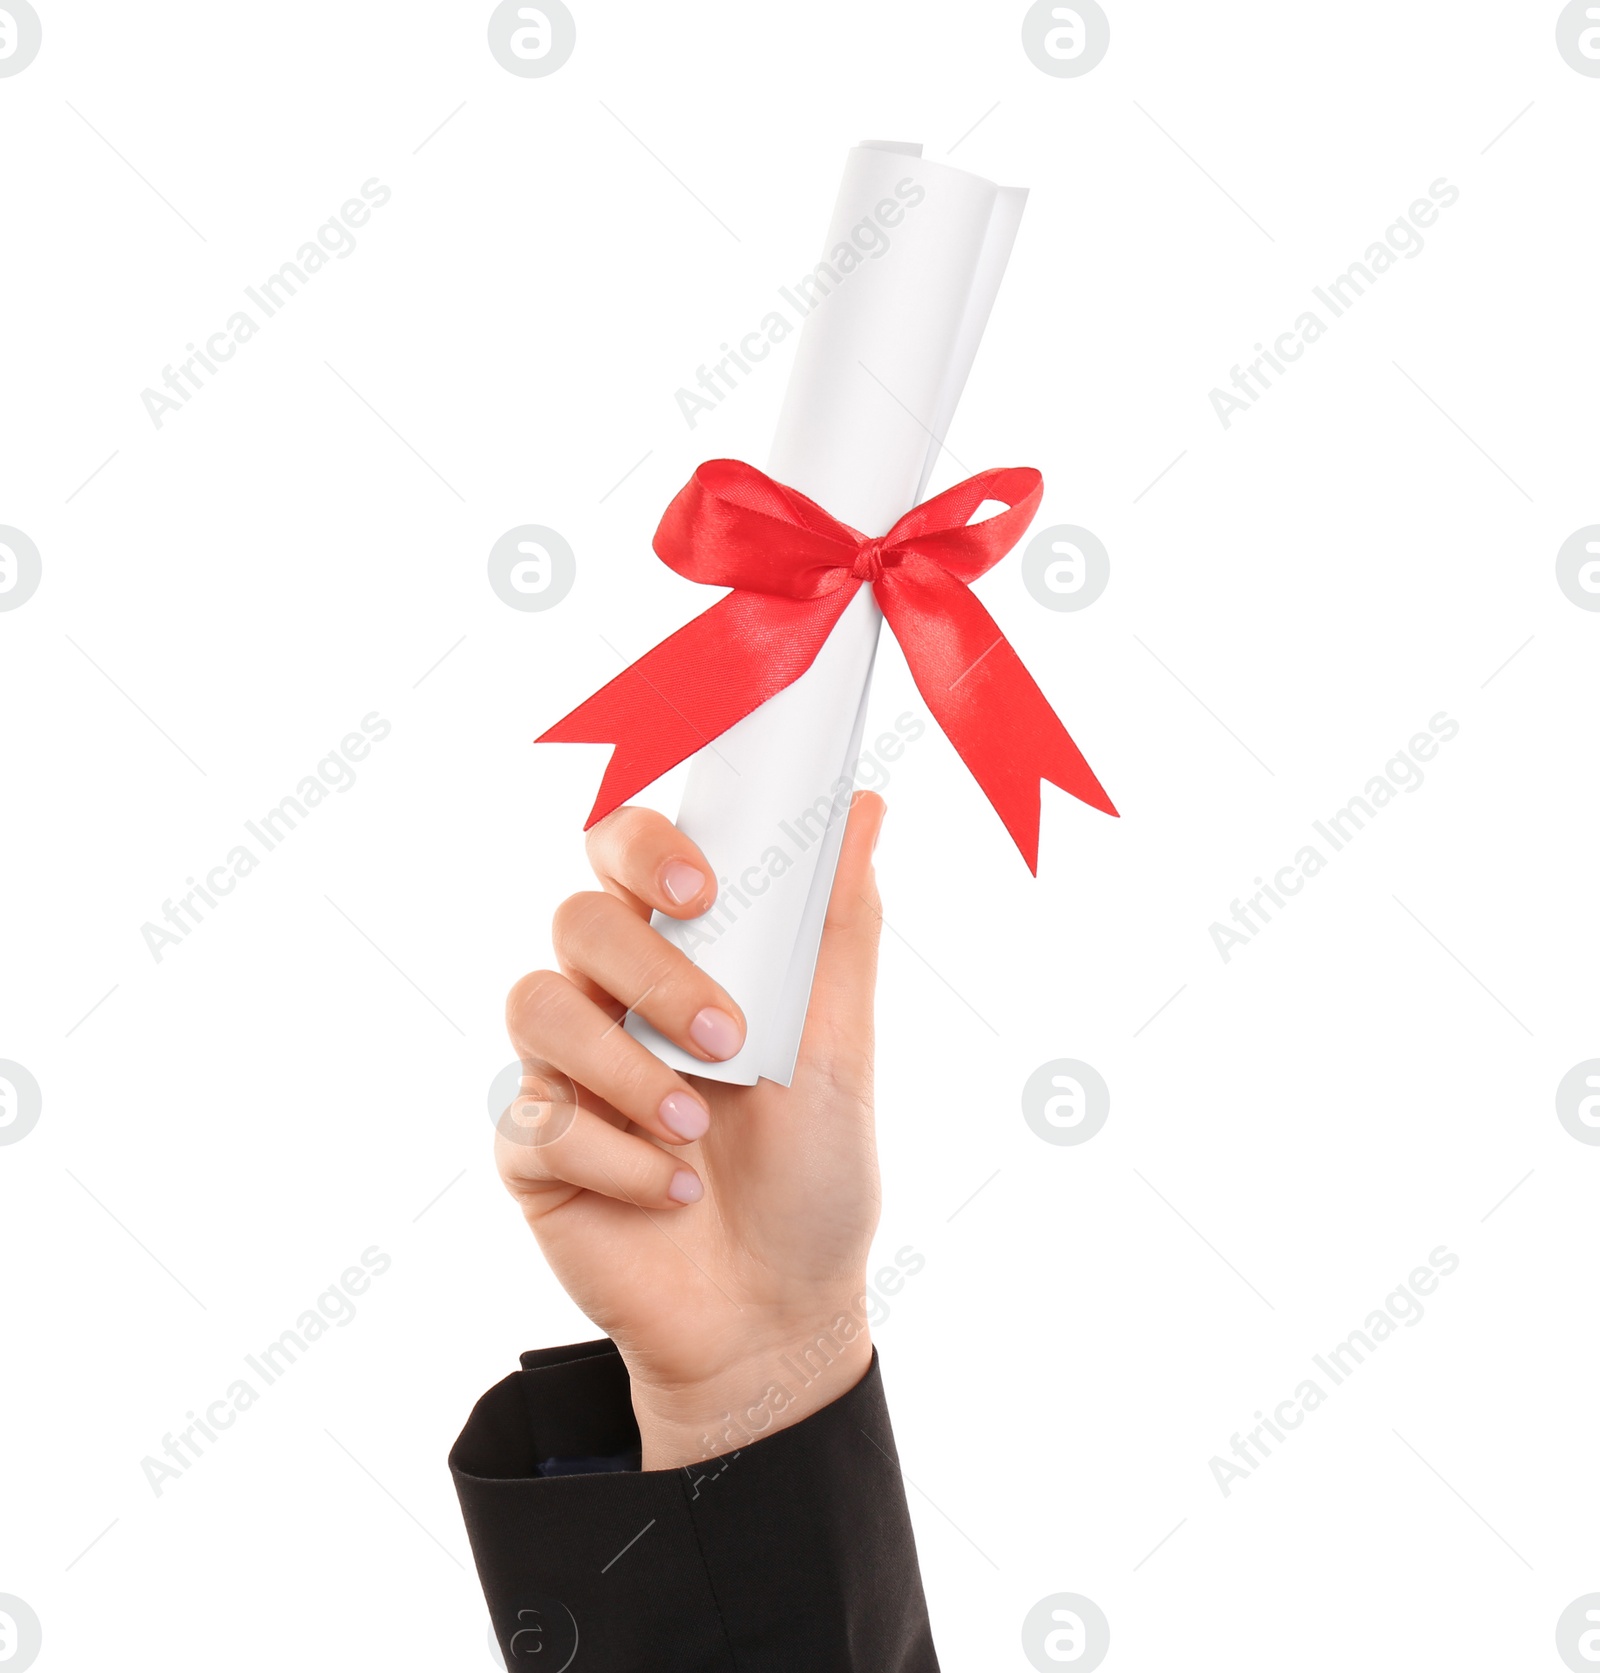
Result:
793,569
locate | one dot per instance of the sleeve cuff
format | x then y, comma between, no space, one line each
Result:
795,1552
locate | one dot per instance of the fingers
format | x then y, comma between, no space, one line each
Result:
550,1020
565,1144
616,956
644,859
847,964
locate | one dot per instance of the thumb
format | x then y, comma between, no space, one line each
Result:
838,1036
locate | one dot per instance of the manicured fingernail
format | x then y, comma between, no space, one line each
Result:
687,1118
716,1033
682,882
685,1187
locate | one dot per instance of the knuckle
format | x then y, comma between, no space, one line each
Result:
857,913
549,1135
637,1082
673,987
613,833
579,916
647,1172
534,996
537,1134
666,978
518,1166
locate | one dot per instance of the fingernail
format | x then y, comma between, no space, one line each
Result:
685,1187
684,1115
879,832
716,1033
682,882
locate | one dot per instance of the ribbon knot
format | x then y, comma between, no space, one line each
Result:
794,569
869,561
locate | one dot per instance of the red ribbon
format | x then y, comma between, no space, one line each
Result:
793,569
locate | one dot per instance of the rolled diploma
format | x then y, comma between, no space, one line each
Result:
880,364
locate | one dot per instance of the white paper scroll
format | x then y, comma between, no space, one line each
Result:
880,364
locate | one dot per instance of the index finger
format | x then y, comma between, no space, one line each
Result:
641,856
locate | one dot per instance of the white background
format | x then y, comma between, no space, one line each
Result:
1365,1081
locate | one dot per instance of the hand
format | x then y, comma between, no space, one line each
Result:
718,1234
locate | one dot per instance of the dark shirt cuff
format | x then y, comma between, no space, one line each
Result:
793,1554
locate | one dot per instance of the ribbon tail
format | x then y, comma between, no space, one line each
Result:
986,701
684,694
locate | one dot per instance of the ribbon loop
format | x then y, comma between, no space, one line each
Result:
794,569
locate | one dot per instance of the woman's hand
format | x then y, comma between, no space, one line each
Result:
718,1234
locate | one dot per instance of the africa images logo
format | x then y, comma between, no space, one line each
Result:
20,36
531,40
20,568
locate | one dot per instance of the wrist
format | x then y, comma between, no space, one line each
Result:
766,1390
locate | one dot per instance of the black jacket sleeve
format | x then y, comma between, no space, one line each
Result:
792,1555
